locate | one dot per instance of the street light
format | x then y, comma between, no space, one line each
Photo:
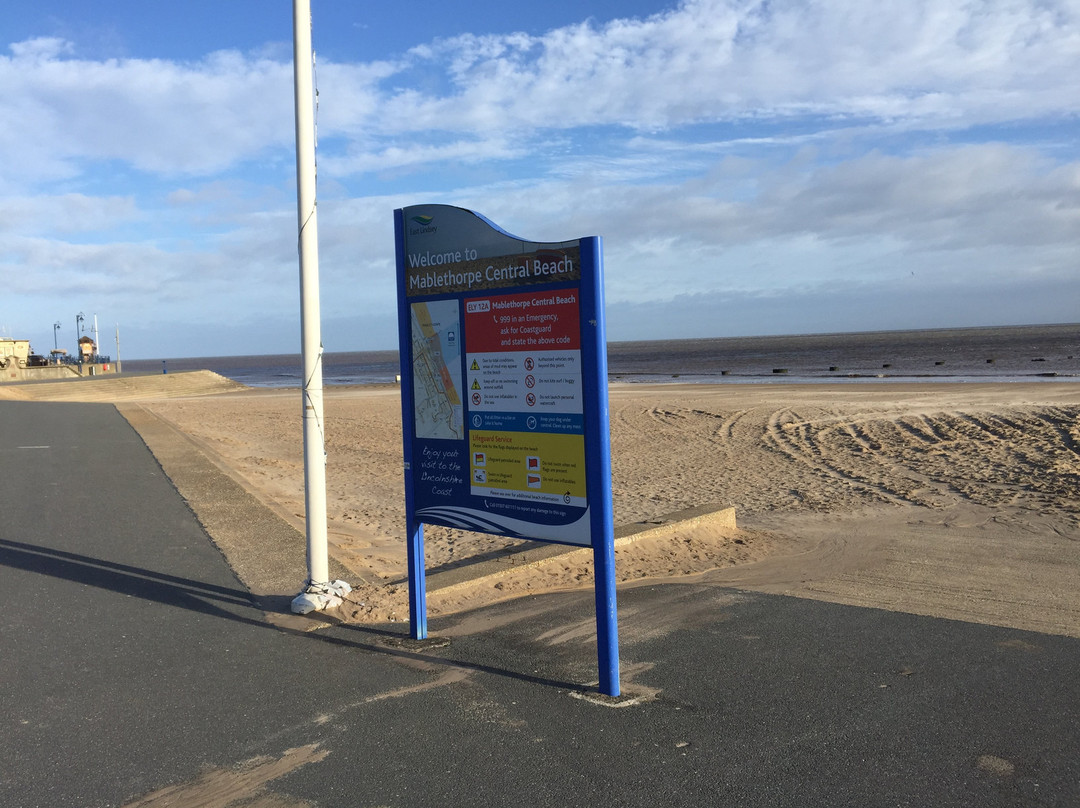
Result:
55,331
78,325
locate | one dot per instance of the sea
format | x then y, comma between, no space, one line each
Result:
993,354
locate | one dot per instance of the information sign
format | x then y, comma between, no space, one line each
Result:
504,391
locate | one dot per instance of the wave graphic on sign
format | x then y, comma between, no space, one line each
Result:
576,532
424,220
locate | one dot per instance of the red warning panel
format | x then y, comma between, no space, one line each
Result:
523,322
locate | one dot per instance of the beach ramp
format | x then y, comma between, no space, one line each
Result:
122,387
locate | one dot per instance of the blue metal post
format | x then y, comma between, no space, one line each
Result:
607,618
417,582
598,465
414,528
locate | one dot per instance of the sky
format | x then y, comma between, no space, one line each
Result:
753,166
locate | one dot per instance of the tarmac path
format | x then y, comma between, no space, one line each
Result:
136,670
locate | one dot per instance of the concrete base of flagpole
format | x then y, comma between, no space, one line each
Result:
317,597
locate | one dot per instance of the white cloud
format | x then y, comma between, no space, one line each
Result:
904,303
934,63
154,115
708,60
64,214
968,212
981,195
378,158
721,147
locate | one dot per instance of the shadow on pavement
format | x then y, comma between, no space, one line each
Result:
214,600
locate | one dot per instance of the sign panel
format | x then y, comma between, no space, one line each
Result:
497,375
504,395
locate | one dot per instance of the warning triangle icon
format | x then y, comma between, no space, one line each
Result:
475,365
475,384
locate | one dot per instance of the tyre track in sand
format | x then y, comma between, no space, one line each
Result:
798,439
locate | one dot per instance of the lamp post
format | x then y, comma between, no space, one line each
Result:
55,331
78,327
318,590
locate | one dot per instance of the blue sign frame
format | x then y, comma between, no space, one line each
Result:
504,395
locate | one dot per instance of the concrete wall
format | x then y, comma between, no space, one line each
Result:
18,374
98,368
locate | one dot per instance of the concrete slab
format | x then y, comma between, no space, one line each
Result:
267,553
538,554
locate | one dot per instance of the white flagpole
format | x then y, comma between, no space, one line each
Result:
318,591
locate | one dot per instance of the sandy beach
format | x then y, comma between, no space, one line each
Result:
945,499
950,500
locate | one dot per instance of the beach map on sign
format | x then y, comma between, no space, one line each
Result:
436,347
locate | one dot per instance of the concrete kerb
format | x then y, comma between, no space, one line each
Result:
266,553
713,516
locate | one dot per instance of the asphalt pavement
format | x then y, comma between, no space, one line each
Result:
136,669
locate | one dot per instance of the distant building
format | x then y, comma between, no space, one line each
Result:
87,349
14,353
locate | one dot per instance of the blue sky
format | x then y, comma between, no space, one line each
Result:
767,167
